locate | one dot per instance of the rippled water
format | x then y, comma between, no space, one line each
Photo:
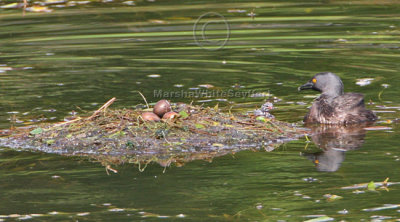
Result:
76,58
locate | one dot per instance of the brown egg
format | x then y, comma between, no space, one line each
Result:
149,116
162,107
170,115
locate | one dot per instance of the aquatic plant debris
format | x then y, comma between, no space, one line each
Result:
115,136
320,219
384,207
372,186
332,197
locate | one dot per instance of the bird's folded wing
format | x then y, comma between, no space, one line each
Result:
349,101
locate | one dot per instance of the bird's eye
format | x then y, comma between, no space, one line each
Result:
314,80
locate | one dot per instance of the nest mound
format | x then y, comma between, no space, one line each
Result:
121,135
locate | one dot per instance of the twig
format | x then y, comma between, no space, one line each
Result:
229,111
144,98
67,122
385,183
306,146
24,10
108,167
202,132
255,129
380,94
142,169
104,107
243,123
165,137
276,127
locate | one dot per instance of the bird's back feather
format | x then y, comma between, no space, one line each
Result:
345,109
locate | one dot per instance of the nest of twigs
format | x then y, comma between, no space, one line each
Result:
122,135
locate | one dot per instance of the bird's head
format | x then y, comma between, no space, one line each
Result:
325,82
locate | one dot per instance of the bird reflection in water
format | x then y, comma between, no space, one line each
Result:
334,141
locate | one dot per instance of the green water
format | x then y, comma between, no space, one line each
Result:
76,58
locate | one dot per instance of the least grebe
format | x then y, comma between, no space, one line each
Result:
334,106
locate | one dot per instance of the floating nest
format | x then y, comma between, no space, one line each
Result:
122,135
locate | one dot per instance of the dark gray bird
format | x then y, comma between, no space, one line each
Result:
334,106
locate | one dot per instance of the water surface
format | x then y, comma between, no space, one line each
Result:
77,57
